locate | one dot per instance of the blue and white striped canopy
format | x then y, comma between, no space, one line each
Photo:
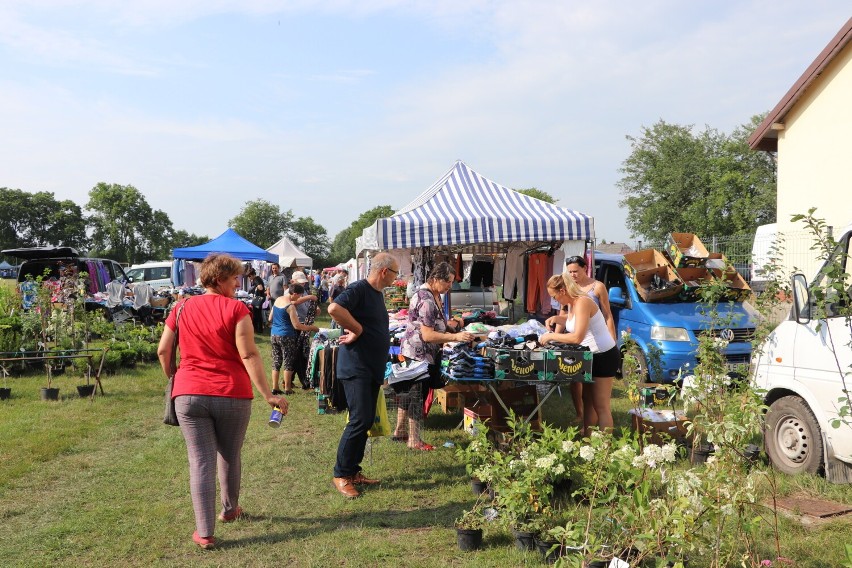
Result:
466,208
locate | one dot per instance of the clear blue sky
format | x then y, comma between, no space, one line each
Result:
332,107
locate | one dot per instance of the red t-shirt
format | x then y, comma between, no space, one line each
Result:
209,361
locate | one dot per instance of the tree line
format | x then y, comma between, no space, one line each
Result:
674,179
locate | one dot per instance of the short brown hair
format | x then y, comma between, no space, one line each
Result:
218,267
442,271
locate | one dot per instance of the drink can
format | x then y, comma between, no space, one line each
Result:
275,418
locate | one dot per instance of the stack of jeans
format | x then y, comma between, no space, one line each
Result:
465,365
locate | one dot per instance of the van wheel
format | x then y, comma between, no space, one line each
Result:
639,367
792,437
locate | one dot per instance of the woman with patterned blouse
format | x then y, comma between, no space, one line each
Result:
428,328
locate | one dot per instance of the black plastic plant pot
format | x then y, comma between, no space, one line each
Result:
85,390
49,393
547,550
469,539
478,487
524,540
5,393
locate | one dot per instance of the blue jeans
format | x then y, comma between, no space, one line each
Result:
361,395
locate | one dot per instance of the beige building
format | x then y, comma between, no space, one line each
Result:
809,130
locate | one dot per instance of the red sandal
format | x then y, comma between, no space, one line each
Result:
232,516
423,446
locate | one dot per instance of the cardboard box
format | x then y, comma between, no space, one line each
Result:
738,288
659,426
568,365
686,250
159,302
693,279
647,291
647,259
650,395
517,364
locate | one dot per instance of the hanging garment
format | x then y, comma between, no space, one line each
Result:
482,274
538,269
513,273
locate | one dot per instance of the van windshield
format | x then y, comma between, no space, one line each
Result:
136,274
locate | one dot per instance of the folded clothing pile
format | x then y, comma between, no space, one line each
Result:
464,365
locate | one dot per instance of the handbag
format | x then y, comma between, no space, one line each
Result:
170,415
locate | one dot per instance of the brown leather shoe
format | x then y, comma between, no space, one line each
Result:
359,479
346,487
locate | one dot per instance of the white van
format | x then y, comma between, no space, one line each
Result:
805,366
156,274
761,252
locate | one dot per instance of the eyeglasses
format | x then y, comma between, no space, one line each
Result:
392,270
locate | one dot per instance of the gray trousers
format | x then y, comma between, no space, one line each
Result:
214,429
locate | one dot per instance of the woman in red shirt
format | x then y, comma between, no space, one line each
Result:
219,362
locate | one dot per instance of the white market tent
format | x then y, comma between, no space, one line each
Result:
289,255
466,212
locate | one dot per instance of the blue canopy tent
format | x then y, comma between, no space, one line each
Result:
464,209
228,242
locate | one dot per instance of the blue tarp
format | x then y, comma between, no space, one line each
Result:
229,242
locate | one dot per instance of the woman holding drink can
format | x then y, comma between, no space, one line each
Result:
219,362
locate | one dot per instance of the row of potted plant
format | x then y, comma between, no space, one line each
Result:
615,495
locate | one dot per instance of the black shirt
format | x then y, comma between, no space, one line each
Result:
369,354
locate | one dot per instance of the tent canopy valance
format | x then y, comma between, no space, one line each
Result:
229,242
464,208
289,255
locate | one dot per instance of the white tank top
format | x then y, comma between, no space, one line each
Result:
598,338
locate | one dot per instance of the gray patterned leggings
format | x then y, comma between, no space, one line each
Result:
214,428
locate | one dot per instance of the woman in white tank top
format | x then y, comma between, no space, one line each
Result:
588,327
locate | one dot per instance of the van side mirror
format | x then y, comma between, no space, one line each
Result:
801,299
616,297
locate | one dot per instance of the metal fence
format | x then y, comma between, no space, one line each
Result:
793,248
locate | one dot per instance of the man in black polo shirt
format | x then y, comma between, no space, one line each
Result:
361,360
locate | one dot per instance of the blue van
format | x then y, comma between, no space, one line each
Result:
671,327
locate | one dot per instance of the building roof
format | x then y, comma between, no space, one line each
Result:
614,248
765,137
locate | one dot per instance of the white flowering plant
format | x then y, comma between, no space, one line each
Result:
529,471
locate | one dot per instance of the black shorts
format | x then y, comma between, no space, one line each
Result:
606,364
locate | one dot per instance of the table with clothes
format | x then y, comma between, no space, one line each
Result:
518,373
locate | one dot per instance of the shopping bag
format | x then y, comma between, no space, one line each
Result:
381,424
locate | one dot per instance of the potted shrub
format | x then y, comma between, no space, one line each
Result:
48,392
469,528
88,389
5,392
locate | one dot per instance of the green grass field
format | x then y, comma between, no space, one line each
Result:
105,483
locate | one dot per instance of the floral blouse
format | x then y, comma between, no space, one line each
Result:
423,310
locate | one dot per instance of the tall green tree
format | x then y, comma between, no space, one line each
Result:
39,219
343,246
124,227
312,238
709,182
262,223
182,239
538,194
